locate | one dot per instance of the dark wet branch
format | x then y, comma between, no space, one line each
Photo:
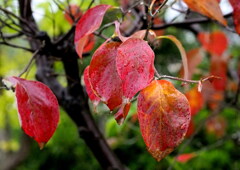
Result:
72,98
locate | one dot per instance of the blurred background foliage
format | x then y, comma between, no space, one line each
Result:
67,151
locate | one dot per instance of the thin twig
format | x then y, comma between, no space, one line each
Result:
158,9
3,87
153,15
91,3
15,46
29,63
105,27
11,27
100,35
178,79
185,23
237,94
12,36
17,17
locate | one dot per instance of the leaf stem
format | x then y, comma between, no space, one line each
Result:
158,9
179,79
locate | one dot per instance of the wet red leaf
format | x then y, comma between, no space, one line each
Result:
88,23
191,129
164,117
183,158
37,107
135,65
89,43
72,13
215,43
92,96
236,14
103,75
195,99
209,8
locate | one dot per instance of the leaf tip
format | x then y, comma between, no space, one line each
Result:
41,145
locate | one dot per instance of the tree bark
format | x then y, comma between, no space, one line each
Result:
72,98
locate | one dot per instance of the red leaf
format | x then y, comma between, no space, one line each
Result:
215,43
164,116
103,75
209,8
135,65
195,99
191,129
236,14
89,43
72,13
38,109
92,96
122,113
88,23
183,158
219,68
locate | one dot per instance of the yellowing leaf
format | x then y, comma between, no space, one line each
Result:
209,8
195,99
164,117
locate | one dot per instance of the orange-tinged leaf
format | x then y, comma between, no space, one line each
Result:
183,158
135,65
91,94
236,14
215,100
164,117
103,75
217,126
38,109
195,99
215,43
209,8
88,23
219,68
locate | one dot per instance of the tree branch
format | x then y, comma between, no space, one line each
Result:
186,23
71,99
